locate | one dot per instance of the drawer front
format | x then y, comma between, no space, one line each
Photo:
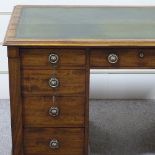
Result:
64,112
37,82
122,58
54,141
46,58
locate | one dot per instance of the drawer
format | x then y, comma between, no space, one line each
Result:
64,112
41,141
122,58
46,58
37,82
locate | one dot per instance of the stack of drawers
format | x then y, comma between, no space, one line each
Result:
53,87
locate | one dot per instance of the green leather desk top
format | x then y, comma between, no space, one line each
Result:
83,23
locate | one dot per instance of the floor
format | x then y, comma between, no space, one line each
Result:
117,127
5,129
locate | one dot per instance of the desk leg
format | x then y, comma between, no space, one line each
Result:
15,101
87,105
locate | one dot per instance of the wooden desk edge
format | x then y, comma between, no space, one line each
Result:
86,43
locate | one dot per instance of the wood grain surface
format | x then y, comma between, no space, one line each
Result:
71,142
15,101
36,82
127,58
86,136
81,43
71,111
39,58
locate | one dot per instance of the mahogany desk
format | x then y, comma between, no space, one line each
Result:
51,50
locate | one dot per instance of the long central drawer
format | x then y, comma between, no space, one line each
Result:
36,82
122,58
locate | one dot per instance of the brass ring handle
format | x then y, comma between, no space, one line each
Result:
141,55
113,58
54,144
54,111
53,58
53,82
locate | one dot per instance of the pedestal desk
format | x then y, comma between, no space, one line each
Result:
51,50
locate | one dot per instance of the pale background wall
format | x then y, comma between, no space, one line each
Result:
104,83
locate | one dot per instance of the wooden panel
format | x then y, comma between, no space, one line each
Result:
39,58
87,104
71,111
36,82
128,58
11,30
15,101
71,142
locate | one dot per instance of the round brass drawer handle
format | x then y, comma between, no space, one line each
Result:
54,111
53,82
141,55
113,58
53,58
54,144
